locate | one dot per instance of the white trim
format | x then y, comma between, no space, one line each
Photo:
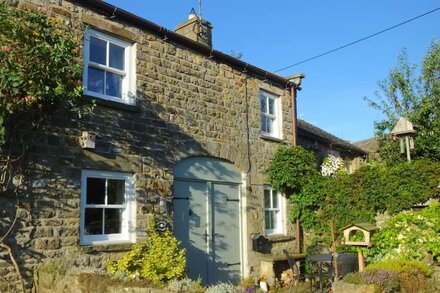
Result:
128,85
245,269
128,234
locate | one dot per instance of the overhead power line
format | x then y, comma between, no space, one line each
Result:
358,41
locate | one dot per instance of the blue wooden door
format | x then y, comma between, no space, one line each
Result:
206,218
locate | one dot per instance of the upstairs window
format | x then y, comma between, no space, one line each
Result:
273,212
107,207
108,69
270,115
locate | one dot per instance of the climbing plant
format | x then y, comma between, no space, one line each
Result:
40,71
39,64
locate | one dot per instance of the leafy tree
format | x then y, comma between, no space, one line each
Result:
415,94
39,64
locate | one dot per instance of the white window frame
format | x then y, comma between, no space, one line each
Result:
128,234
275,117
128,85
280,212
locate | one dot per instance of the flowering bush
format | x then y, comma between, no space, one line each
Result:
387,281
38,63
410,235
395,275
332,165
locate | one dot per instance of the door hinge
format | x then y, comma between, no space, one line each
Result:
180,198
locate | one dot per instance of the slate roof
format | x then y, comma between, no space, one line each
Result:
310,130
370,145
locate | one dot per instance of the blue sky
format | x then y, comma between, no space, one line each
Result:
275,34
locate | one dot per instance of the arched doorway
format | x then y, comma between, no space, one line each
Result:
207,218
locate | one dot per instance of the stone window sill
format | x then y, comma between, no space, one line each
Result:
114,247
114,105
280,238
272,138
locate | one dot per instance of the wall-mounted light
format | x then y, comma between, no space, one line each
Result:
163,206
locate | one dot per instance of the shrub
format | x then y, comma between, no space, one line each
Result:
402,266
387,281
222,288
247,285
410,235
185,285
158,259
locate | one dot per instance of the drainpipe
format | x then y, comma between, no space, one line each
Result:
295,86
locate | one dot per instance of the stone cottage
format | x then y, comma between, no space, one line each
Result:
181,131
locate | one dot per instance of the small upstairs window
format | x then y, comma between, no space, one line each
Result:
108,67
270,115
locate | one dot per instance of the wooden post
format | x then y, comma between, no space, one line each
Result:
408,155
360,260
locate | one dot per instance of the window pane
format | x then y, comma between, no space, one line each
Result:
95,191
271,106
267,199
267,220
263,104
113,221
275,204
114,85
116,57
115,191
93,221
269,125
95,82
273,219
98,50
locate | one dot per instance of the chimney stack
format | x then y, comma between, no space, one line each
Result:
196,29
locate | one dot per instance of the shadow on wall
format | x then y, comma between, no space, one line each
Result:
142,140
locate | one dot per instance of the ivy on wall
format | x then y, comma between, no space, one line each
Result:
326,204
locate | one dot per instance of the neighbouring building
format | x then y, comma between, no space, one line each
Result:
181,133
323,143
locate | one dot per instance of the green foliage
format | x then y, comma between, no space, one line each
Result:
410,235
222,288
327,203
38,64
387,281
158,259
413,275
404,94
402,266
291,169
186,285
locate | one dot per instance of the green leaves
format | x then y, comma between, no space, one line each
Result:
38,63
158,259
417,97
358,197
291,169
410,236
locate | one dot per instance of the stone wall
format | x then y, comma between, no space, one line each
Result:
188,104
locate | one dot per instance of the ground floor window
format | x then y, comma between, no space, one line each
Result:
107,207
273,211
